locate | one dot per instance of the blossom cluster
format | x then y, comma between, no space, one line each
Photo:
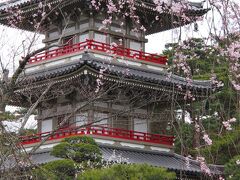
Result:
99,80
188,95
197,127
203,165
207,140
205,137
227,124
187,161
215,82
176,7
117,158
221,178
16,17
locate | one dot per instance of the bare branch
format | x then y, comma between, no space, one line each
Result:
32,108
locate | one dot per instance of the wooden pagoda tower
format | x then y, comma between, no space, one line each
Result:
100,82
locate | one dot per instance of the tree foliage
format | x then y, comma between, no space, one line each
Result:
232,168
56,170
223,148
183,139
128,172
206,62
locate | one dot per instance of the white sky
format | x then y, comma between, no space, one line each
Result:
16,125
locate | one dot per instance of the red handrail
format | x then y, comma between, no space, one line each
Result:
101,131
101,47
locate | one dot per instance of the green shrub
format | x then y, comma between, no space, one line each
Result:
80,139
85,152
61,150
43,174
79,148
232,168
61,167
56,170
128,172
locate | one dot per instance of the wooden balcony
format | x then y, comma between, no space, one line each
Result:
99,47
101,132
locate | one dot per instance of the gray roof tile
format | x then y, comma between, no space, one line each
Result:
117,69
167,160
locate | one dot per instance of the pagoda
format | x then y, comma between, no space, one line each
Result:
97,80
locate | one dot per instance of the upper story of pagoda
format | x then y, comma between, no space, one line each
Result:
68,22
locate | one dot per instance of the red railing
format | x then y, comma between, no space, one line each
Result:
100,131
101,47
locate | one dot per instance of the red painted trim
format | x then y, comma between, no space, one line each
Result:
101,47
101,131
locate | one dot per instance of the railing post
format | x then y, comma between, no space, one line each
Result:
131,135
103,130
126,52
89,44
104,49
61,51
144,136
109,131
120,51
88,130
140,55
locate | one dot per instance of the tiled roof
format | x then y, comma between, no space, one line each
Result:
125,70
12,3
43,158
167,160
145,8
63,73
9,3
